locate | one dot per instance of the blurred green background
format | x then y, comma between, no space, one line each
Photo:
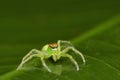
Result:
37,21
28,24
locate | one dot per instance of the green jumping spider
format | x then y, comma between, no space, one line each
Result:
53,50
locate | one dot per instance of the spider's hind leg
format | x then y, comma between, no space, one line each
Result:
26,60
30,55
33,51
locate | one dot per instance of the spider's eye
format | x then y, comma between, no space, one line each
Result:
53,45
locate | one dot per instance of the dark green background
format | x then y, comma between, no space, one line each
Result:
37,21
28,24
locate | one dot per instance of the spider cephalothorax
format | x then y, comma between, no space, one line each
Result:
53,45
53,50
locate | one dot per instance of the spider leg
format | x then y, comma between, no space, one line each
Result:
30,55
75,50
33,51
72,59
62,41
44,64
26,60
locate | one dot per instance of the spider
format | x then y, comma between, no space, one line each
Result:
54,50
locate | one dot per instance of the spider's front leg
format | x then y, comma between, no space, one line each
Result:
66,42
64,54
75,50
72,59
44,64
62,41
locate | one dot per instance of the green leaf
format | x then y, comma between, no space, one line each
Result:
94,33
